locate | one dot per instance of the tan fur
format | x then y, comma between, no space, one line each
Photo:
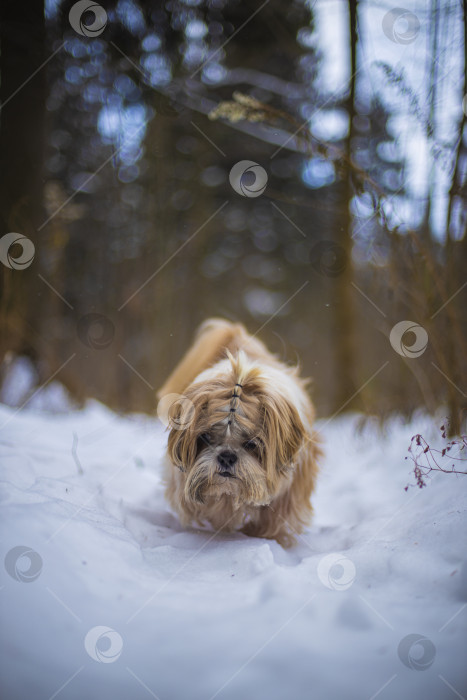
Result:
248,404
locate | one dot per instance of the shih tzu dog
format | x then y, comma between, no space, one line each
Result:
242,452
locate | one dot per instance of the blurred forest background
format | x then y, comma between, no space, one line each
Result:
111,165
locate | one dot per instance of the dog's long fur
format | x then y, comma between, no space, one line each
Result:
248,405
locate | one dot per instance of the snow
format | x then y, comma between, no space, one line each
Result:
190,614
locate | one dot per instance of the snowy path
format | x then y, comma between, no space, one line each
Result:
202,617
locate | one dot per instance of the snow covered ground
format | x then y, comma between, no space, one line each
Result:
111,598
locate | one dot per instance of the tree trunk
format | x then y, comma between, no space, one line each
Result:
344,350
22,34
455,275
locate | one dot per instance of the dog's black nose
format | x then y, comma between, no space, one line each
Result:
226,460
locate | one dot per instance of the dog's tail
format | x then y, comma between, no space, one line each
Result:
213,338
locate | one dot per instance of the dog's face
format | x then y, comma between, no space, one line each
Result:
241,437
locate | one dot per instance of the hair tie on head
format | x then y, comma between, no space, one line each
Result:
233,408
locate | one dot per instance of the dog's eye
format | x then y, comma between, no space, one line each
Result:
202,442
251,445
205,438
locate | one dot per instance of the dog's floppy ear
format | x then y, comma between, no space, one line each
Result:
181,448
182,416
187,416
283,431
